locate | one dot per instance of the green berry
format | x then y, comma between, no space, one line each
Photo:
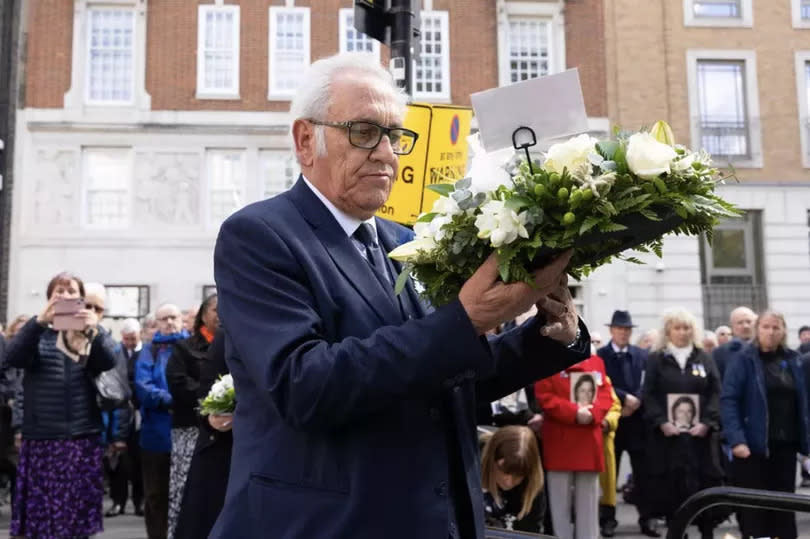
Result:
569,218
576,195
587,195
562,194
539,189
553,178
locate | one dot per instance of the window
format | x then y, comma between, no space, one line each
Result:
127,301
279,171
431,78
724,106
529,48
732,269
801,13
718,13
353,41
106,179
803,89
218,51
110,51
289,50
225,171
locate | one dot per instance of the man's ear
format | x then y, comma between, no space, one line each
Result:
304,140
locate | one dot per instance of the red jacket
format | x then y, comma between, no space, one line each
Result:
568,446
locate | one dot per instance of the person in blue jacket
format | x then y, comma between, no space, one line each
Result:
764,410
153,393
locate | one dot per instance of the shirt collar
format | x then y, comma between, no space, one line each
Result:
617,350
348,223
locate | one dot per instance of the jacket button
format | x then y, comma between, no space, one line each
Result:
441,489
211,437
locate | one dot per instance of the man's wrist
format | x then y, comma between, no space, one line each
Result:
575,342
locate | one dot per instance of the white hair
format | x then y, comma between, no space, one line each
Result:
95,289
710,335
130,325
678,315
313,97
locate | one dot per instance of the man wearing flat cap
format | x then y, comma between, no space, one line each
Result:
624,364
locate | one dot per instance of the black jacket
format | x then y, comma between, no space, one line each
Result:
59,394
183,377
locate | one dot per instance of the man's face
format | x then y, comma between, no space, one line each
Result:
355,180
620,335
169,320
742,324
130,340
723,335
804,336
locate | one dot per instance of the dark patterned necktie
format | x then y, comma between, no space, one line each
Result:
366,235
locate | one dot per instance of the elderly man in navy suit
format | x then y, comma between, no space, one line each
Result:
356,406
625,364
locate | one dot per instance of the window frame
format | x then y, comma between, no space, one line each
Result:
343,27
273,92
796,14
144,290
444,27
282,154
87,49
748,58
210,224
745,20
552,12
217,93
803,89
85,188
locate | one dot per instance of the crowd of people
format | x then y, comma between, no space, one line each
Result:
692,409
65,441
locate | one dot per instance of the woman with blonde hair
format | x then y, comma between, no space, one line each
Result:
683,459
512,480
765,421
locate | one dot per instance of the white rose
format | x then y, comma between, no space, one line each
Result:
446,205
488,170
217,391
571,154
647,158
684,163
227,381
500,224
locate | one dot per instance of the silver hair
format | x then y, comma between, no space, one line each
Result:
96,289
711,335
313,97
679,314
130,325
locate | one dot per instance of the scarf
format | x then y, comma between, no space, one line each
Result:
681,355
76,344
160,338
207,334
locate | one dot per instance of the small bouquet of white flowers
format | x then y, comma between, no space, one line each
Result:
221,399
599,197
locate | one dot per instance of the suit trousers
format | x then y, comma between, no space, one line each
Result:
640,476
155,467
586,503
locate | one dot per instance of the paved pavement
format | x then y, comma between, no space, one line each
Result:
131,527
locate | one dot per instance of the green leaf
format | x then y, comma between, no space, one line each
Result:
620,157
402,278
649,214
607,149
428,217
516,203
611,227
660,185
588,224
444,189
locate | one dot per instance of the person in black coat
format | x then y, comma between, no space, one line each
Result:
207,478
681,397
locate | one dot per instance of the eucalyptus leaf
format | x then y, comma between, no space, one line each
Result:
463,183
607,149
608,166
426,218
443,189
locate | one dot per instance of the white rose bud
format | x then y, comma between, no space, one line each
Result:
647,158
415,250
571,154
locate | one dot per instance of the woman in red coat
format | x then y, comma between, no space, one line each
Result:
574,402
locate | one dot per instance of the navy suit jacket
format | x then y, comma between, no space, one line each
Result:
724,355
631,429
343,408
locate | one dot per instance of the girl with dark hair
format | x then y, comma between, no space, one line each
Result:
683,448
183,377
60,486
512,480
584,390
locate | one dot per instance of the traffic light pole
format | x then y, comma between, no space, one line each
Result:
401,19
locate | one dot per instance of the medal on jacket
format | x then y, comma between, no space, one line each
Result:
702,370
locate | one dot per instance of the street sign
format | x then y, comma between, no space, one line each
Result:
440,156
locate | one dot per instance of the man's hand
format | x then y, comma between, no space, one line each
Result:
669,429
584,415
560,313
222,423
536,423
631,404
488,301
741,451
605,426
699,431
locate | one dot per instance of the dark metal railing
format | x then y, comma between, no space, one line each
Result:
496,533
737,497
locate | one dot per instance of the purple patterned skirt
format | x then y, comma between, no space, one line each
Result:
60,489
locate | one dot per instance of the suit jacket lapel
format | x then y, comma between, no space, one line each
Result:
345,255
389,242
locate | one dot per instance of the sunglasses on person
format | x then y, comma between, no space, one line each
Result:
98,309
368,135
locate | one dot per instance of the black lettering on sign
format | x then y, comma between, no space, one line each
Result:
446,174
407,174
387,210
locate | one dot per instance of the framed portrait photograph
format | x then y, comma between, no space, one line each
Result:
583,387
683,410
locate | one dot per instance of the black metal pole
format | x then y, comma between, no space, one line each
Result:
401,21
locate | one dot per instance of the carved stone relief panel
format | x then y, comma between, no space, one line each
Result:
56,198
167,188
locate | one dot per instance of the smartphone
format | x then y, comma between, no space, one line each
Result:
64,312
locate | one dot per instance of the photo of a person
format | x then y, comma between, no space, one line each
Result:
583,388
684,410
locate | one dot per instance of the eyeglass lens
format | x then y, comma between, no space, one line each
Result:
367,135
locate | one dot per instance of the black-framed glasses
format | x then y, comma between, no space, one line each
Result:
98,308
367,135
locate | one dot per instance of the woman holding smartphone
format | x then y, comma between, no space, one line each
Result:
59,477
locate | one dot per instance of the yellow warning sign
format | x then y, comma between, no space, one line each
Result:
440,156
